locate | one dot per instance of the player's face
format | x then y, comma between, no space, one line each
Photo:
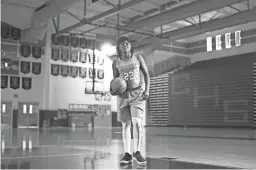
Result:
125,46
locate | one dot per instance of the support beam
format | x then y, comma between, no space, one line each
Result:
216,24
181,13
101,16
137,12
154,5
238,10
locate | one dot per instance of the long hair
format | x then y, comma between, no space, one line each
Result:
119,41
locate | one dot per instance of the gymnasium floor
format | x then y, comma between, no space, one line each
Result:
102,148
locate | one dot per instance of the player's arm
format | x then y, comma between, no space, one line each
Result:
115,74
115,71
145,72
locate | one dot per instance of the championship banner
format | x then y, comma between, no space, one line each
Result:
15,33
65,40
36,52
64,55
100,60
25,50
82,57
100,74
74,42
74,55
14,82
90,57
73,71
82,72
82,43
55,69
5,31
4,82
36,68
26,83
90,44
91,73
25,67
64,70
55,40
55,54
9,66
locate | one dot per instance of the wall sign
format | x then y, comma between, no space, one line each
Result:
223,41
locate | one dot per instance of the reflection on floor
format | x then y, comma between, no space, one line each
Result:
102,148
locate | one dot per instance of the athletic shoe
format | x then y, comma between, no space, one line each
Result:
140,160
127,159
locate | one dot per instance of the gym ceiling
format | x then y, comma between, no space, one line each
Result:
143,20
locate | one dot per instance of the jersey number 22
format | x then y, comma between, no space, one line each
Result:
128,76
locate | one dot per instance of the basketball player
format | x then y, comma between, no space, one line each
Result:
131,67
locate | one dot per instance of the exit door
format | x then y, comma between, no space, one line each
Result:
6,114
28,115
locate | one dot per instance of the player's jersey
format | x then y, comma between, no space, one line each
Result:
130,71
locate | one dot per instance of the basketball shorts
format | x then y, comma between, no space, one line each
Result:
131,105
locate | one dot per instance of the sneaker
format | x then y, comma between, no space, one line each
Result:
127,159
140,160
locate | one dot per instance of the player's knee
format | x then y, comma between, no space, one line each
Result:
126,125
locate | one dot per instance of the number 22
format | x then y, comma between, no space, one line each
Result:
128,76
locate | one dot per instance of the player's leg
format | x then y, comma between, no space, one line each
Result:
137,115
125,118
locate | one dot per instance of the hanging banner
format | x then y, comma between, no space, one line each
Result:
100,74
55,54
74,42
36,68
74,55
91,73
36,52
55,40
25,67
14,82
64,55
64,70
65,40
4,82
15,33
82,43
26,83
82,72
55,69
90,57
73,71
82,57
100,60
25,50
5,31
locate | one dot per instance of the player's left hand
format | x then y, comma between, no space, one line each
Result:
145,95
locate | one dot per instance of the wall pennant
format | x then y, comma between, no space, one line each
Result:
64,70
26,83
4,82
82,57
74,41
36,68
14,82
25,67
74,55
55,39
55,69
5,31
25,50
65,55
55,54
15,33
36,52
73,71
65,40
82,72
82,43
100,74
91,74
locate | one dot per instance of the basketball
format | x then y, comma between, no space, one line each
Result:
118,85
